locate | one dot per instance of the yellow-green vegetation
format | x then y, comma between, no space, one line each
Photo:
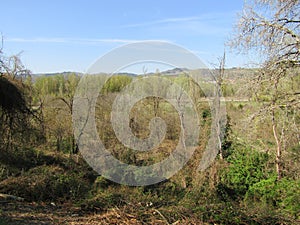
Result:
240,188
255,178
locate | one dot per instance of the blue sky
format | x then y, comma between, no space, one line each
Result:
56,36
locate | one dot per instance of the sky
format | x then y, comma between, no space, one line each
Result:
65,35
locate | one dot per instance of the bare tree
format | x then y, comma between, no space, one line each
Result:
219,79
15,114
67,98
271,27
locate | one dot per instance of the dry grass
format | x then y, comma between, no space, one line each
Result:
32,213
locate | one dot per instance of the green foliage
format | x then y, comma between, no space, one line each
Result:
239,183
190,86
246,168
116,83
55,85
283,195
289,196
264,191
206,113
227,90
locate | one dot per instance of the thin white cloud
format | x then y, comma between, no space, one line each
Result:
157,22
205,18
73,40
45,40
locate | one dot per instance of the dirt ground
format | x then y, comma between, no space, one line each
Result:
33,213
18,213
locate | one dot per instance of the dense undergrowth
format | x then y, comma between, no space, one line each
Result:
238,190
40,163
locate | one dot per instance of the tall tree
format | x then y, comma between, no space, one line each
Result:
15,114
271,27
67,96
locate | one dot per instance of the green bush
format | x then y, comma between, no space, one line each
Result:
263,191
246,168
283,195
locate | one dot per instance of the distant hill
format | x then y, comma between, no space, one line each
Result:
58,73
230,74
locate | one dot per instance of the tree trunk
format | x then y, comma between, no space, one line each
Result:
278,148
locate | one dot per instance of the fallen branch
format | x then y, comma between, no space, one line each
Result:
6,197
